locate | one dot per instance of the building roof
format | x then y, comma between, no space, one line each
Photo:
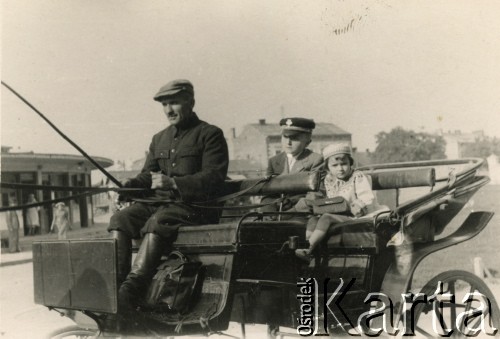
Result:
58,159
322,128
463,137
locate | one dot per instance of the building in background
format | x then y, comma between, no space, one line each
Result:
244,168
249,152
258,142
49,169
455,141
494,169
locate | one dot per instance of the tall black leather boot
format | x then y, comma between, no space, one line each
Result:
148,258
124,255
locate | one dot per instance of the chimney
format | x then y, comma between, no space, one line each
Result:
233,133
262,121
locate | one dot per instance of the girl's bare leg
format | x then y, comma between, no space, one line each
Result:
315,239
320,231
311,225
316,231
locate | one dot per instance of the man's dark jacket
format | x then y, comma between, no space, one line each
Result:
195,156
307,161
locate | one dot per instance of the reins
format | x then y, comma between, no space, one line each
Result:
88,191
44,202
69,188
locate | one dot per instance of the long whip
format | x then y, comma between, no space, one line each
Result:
79,149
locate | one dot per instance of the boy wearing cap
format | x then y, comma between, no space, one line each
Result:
187,162
344,181
296,157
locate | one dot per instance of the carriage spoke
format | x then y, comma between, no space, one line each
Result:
420,330
440,316
467,308
453,308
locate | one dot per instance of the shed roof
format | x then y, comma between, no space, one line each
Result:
30,157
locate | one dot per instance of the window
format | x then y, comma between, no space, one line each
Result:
27,178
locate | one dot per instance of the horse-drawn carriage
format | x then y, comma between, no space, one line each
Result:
358,282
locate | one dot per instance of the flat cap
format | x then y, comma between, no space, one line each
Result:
175,87
297,124
336,149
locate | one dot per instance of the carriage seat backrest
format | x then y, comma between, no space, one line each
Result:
389,182
402,178
359,233
303,182
295,183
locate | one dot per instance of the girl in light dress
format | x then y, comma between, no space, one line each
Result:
344,181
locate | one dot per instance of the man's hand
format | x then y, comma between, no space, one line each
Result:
161,181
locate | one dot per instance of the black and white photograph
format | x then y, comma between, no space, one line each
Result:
249,169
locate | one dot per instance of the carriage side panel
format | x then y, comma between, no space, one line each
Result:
76,274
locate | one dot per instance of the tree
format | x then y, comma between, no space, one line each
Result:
406,145
481,148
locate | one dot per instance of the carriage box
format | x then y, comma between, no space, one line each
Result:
76,274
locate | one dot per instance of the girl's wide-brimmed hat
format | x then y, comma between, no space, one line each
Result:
337,149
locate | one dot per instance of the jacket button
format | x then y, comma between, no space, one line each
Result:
173,150
161,153
173,165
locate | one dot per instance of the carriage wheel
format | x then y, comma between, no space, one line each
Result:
457,283
73,331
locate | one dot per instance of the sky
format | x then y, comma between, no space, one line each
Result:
92,67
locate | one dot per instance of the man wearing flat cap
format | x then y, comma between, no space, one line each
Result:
296,157
187,163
